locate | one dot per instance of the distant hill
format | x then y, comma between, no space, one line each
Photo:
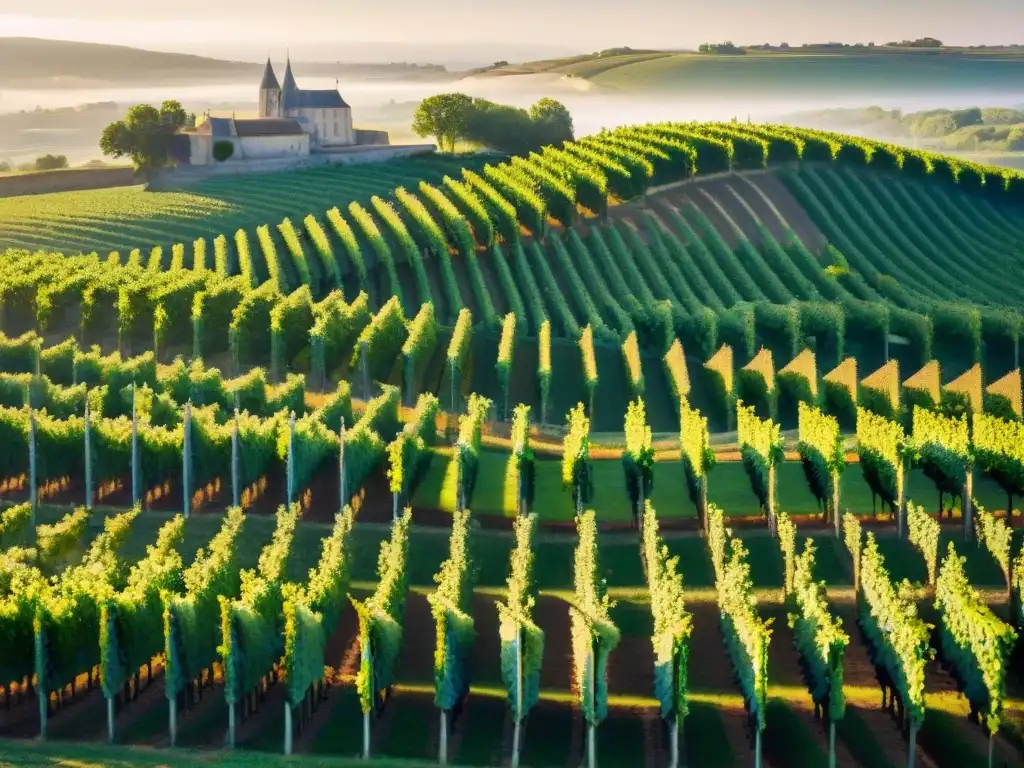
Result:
34,63
794,71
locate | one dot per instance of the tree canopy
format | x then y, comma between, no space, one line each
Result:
452,117
145,134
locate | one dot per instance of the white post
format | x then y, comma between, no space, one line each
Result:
460,501
110,721
674,744
443,752
591,734
832,744
173,716
341,464
757,749
236,480
368,660
231,724
968,502
519,695
135,451
912,748
899,499
88,461
32,490
519,481
287,728
186,460
291,459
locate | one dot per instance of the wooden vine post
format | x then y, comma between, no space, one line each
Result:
236,479
290,479
135,450
186,461
88,457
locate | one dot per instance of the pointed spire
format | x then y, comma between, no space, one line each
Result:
289,78
269,82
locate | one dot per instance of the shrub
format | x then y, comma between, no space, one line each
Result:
223,150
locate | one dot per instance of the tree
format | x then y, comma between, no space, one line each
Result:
552,122
145,134
443,116
51,162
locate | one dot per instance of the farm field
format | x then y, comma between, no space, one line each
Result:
716,364
122,219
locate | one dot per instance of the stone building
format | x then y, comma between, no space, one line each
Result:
323,113
292,123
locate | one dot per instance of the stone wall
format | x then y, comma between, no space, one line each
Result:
66,180
170,178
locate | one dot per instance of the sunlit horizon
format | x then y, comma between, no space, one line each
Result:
190,25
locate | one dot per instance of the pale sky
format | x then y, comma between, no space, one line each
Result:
583,25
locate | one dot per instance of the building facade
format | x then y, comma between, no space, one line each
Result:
324,114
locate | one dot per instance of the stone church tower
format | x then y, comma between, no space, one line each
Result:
270,94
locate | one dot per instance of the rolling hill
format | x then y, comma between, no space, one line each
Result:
36,63
849,71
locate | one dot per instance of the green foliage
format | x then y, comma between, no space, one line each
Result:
15,525
923,532
638,457
746,634
467,448
450,604
383,337
336,325
999,452
822,453
881,447
576,457
380,616
409,451
506,348
673,624
191,622
418,348
761,448
522,641
818,636
942,448
252,627
311,610
973,640
67,619
594,636
131,621
697,455
896,635
519,471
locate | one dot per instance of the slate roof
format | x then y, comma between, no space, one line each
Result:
219,127
289,78
269,81
299,99
268,126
